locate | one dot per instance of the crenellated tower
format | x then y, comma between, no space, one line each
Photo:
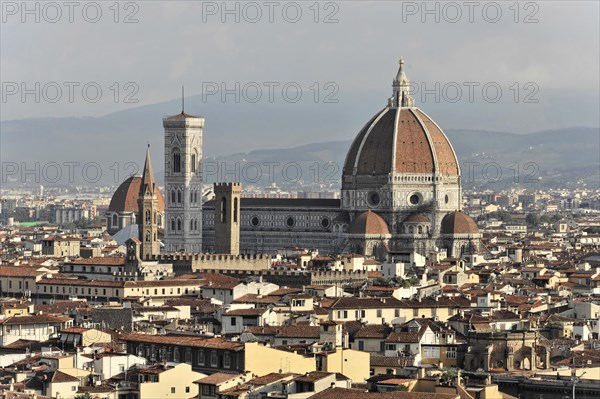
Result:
227,218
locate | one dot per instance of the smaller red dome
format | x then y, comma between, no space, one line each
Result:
368,223
125,198
458,223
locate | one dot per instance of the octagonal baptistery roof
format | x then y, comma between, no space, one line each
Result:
401,139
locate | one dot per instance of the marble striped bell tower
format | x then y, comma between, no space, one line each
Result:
183,182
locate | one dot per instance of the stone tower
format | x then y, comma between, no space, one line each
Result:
227,218
148,212
183,182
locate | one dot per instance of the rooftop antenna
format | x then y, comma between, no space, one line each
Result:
182,100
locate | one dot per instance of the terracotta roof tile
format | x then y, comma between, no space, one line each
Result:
458,223
99,261
196,342
343,393
368,223
299,331
43,318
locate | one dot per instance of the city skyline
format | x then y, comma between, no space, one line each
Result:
300,200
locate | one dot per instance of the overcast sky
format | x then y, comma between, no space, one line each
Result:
552,45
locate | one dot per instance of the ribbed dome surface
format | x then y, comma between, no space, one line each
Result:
368,223
401,140
125,199
458,223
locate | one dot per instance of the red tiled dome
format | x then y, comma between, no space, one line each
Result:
125,198
368,223
458,223
401,140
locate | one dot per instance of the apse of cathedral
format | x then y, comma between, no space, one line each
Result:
400,194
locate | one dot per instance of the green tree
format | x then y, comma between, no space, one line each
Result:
449,376
382,282
533,219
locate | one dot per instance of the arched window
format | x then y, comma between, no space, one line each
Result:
411,229
114,220
172,224
420,229
196,224
235,210
176,161
179,224
147,216
148,236
223,210
191,224
172,196
193,163
155,219
179,196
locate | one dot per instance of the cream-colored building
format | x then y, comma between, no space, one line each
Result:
351,363
175,383
261,360
34,328
394,311
79,336
61,246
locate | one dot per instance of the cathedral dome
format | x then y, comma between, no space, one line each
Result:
368,223
401,139
125,198
458,223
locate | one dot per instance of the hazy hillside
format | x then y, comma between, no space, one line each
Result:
493,159
115,145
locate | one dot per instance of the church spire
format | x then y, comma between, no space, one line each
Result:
147,218
148,184
401,89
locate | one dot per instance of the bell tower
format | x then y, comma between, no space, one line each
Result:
183,183
148,212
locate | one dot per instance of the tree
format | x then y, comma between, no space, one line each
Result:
414,280
382,282
533,219
449,376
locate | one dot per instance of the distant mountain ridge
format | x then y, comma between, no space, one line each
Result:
561,156
115,145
